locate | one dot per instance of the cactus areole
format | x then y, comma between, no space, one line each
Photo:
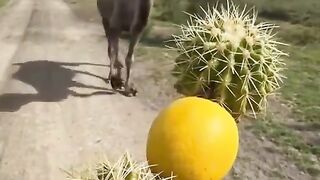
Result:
228,58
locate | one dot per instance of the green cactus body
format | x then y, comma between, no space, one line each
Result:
225,56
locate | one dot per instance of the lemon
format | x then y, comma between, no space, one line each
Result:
193,139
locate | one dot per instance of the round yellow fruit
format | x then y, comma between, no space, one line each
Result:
193,139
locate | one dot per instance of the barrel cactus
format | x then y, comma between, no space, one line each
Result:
125,168
225,56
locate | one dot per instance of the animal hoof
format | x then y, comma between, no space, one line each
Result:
133,91
116,82
130,92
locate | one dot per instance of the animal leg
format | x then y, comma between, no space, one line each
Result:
113,42
105,23
109,34
139,24
129,61
106,27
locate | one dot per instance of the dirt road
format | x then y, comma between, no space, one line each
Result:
55,109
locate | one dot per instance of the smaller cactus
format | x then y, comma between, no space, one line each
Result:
124,169
225,56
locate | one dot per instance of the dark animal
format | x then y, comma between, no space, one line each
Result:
117,16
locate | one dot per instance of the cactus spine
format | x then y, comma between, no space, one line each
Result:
123,169
229,58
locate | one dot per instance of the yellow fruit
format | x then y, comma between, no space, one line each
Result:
193,138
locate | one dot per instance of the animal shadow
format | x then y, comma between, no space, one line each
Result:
51,80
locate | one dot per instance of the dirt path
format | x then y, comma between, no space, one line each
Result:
44,124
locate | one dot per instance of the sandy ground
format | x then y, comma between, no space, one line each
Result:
44,124
56,110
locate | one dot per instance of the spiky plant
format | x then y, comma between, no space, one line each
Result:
227,57
123,169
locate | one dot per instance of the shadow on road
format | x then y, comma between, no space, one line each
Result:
51,80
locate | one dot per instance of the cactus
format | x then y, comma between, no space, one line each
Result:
227,57
124,169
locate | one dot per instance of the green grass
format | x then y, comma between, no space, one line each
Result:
291,144
294,11
296,34
301,88
302,85
3,2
